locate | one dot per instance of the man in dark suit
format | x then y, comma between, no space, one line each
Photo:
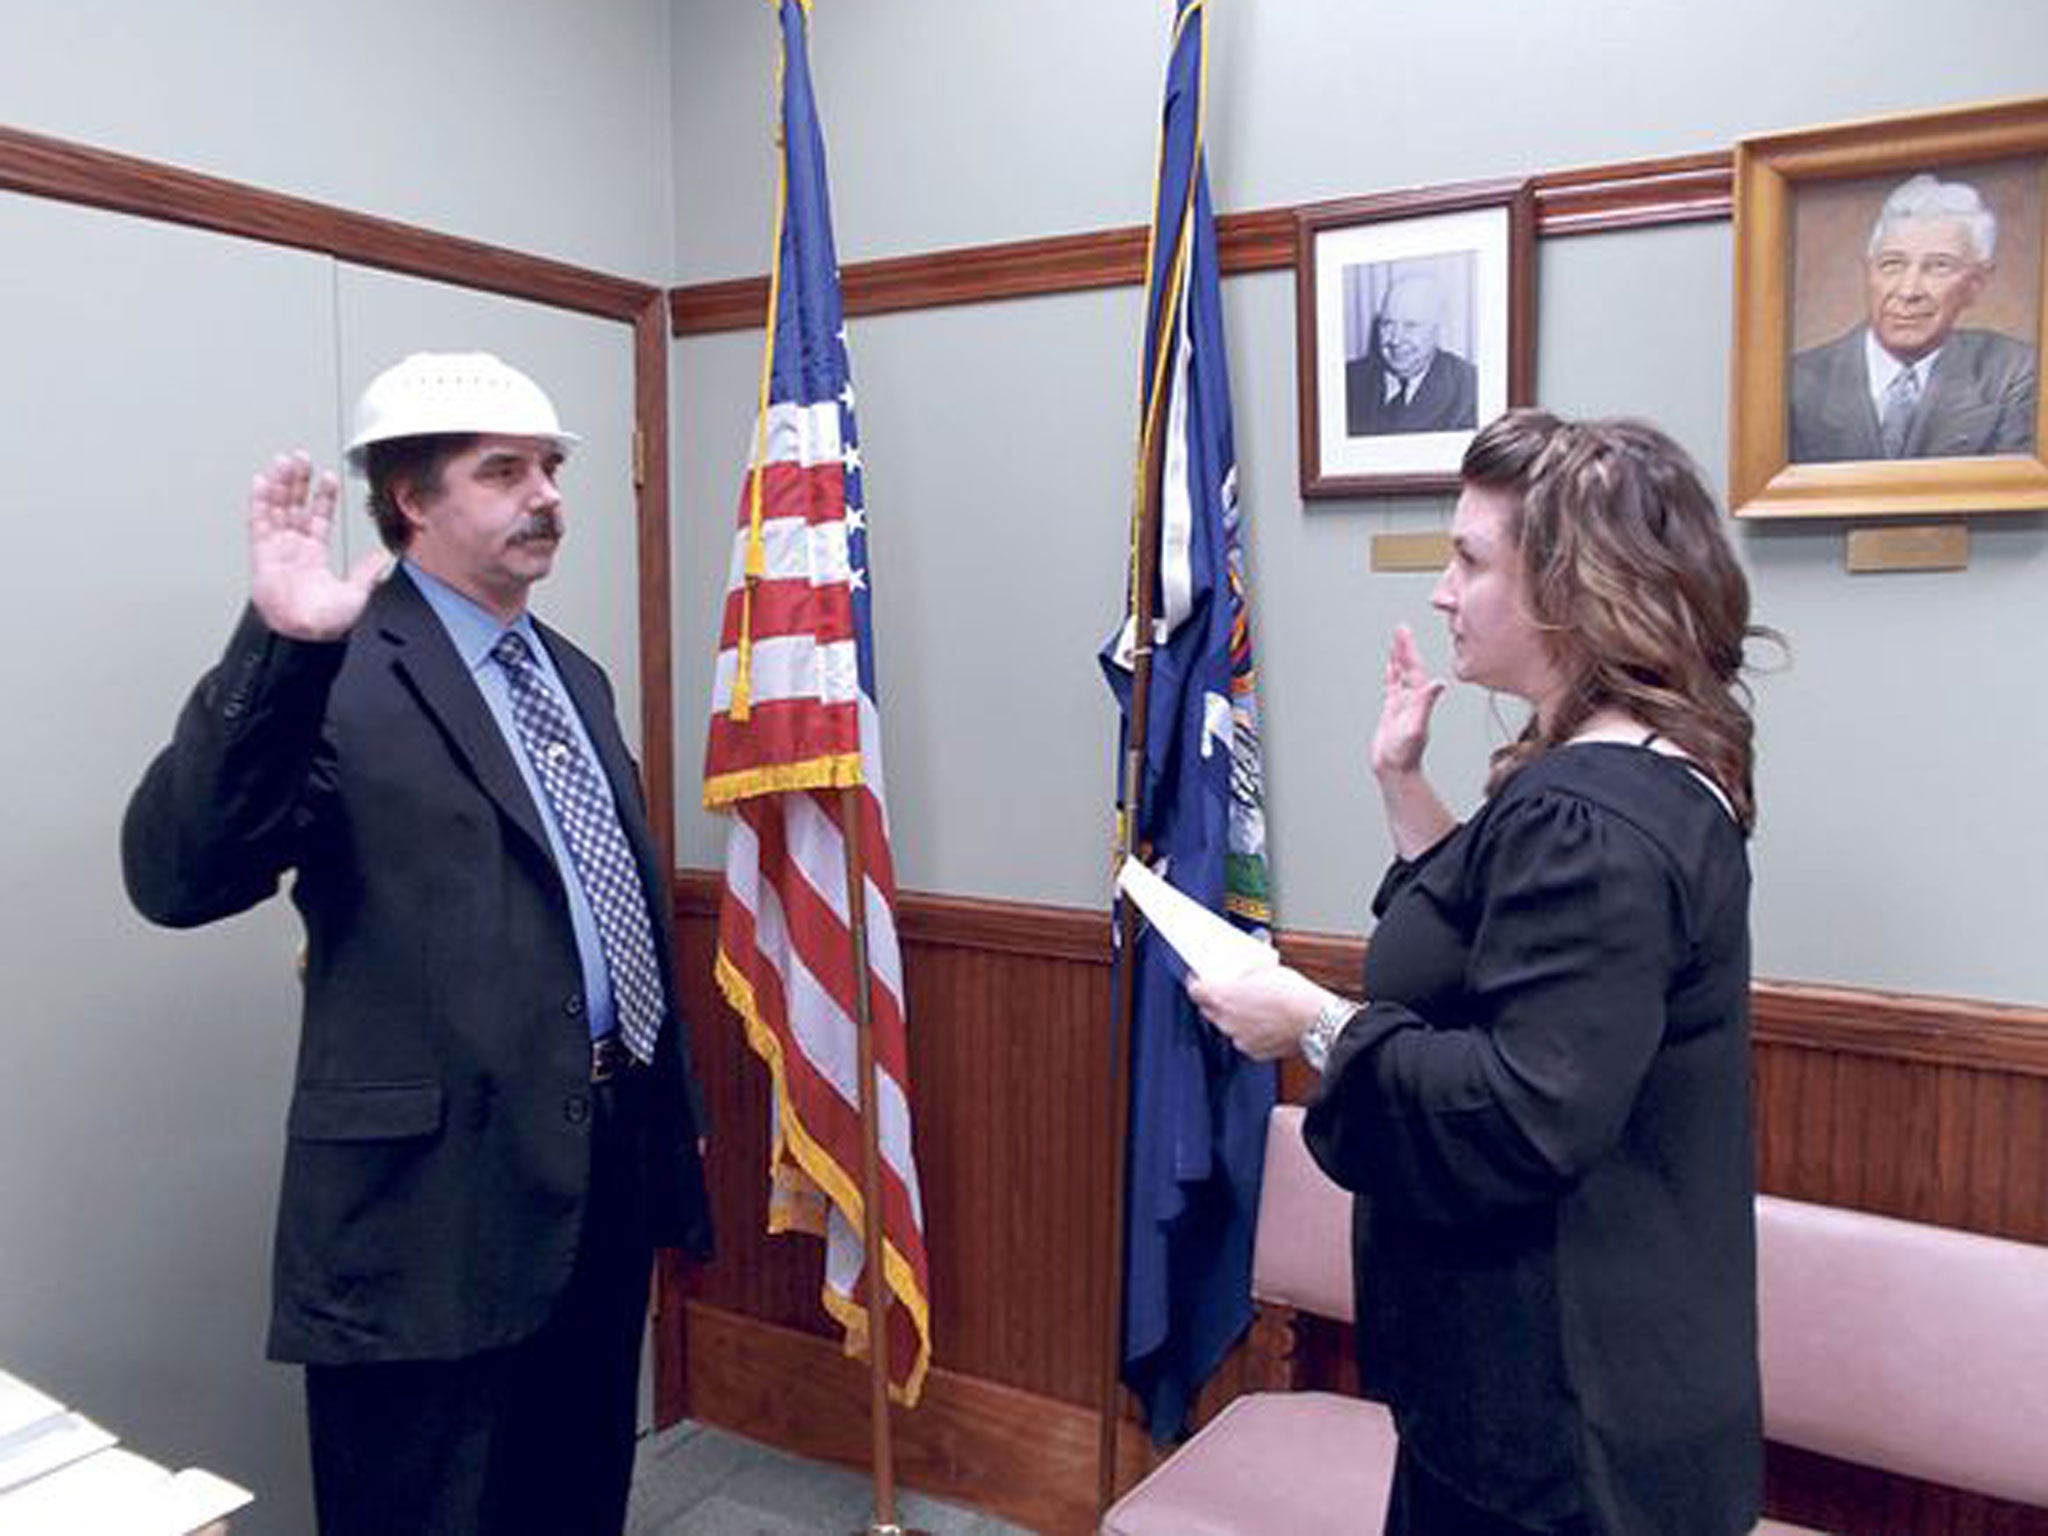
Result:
1407,382
492,1123
1910,384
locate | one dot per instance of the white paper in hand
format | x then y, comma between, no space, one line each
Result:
1212,947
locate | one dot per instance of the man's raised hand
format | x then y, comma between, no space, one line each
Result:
295,590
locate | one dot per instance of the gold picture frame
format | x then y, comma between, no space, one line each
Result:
1806,212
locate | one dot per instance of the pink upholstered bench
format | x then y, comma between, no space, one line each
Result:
1892,1344
1298,1463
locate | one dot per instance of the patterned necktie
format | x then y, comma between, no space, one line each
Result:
597,845
1900,397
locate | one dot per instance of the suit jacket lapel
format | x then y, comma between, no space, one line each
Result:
1850,412
426,660
1951,416
1433,395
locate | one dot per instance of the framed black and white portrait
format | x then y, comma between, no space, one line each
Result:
1413,314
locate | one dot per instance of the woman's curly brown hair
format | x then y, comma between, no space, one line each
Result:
1630,576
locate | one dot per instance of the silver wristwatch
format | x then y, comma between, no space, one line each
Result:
1329,1023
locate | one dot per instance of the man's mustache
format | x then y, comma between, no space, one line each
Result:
540,525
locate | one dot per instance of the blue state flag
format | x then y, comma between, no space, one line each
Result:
1198,1109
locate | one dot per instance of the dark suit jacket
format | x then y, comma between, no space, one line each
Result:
1980,399
1447,401
438,1149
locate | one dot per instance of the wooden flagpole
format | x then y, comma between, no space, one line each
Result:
882,1453
1145,559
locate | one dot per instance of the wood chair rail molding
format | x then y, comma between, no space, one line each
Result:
1934,1031
1633,195
99,178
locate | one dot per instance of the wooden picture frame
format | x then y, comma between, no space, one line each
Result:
1812,232
1414,316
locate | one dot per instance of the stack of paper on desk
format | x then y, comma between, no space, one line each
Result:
118,1493
1212,947
37,1435
61,1475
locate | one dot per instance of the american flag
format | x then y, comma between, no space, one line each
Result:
793,722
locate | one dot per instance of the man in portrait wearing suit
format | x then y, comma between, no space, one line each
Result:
491,1126
1407,382
1909,383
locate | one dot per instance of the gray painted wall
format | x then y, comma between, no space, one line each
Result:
1901,837
535,124
978,121
138,1163
145,372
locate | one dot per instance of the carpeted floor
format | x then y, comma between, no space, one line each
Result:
693,1480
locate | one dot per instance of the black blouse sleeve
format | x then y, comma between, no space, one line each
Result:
1578,930
1401,874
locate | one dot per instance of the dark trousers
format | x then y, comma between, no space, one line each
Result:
535,1439
1422,1504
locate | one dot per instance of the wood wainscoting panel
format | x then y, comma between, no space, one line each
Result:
1932,1109
1028,1459
1008,1043
775,1280
1012,1139
1830,1495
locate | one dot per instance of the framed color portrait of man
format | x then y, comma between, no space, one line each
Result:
1413,314
1890,317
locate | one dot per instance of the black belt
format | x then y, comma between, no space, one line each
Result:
610,1057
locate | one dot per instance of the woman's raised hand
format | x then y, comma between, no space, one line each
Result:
1410,696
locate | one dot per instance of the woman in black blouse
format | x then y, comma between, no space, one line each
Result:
1543,1104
